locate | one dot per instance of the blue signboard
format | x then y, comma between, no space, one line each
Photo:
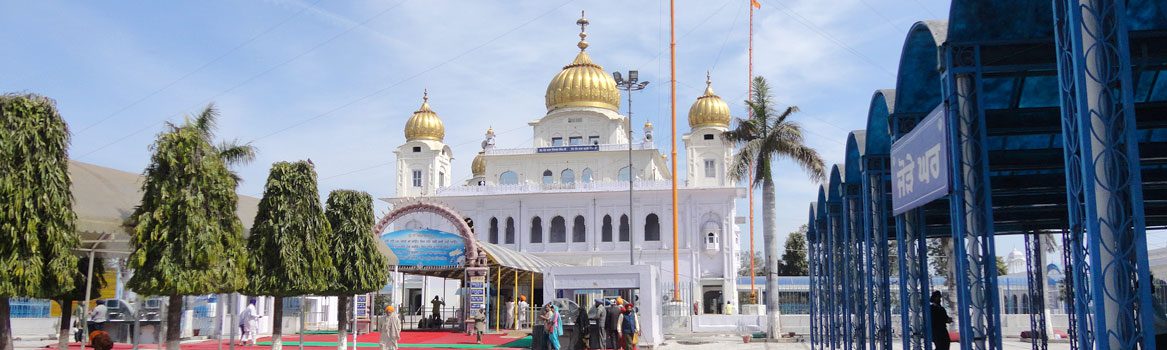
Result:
426,247
919,163
577,148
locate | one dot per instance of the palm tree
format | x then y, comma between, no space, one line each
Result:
766,136
188,244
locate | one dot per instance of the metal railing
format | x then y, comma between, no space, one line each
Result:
557,187
602,148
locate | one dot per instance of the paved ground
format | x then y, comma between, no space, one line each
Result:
683,342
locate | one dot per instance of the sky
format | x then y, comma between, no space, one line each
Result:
336,81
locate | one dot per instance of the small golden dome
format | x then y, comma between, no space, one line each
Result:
478,166
425,124
583,83
709,110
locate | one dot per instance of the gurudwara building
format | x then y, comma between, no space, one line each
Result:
565,198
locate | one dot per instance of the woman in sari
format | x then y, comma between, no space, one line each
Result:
552,325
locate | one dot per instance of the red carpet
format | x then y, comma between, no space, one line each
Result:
412,340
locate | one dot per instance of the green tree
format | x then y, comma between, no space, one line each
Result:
1002,267
186,237
794,259
290,240
765,137
65,300
759,262
941,263
36,204
359,264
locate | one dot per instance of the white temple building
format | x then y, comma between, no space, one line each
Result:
566,197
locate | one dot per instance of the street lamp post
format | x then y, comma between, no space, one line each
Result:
629,86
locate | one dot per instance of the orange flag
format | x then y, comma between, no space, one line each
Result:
755,4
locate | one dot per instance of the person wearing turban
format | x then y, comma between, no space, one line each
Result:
390,326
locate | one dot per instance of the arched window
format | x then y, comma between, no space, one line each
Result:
606,229
536,230
579,230
558,230
510,232
508,178
567,177
548,178
1024,304
586,176
624,228
623,174
710,238
651,228
493,231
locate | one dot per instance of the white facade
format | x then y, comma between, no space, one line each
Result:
571,206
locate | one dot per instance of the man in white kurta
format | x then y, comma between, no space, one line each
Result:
390,327
248,324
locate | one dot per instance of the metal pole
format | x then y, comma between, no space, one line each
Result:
673,141
231,309
302,323
497,296
515,301
531,310
631,237
88,294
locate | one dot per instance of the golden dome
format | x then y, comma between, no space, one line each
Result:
709,110
583,83
425,124
478,166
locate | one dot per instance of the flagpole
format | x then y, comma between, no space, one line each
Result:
673,142
750,91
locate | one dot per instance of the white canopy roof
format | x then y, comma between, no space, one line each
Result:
104,197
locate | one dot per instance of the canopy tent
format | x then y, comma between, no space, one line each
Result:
501,260
104,198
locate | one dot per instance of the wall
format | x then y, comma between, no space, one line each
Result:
644,278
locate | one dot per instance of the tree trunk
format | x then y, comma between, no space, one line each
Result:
5,325
342,322
277,324
769,234
63,334
174,322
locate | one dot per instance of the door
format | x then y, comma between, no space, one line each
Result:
712,300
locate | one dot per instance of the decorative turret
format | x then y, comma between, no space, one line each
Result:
583,83
425,123
709,109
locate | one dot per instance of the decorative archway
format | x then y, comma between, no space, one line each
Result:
418,206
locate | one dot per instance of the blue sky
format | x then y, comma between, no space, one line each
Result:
335,81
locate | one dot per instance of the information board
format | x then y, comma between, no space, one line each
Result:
919,163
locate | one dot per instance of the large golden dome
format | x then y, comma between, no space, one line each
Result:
425,124
583,83
478,166
709,110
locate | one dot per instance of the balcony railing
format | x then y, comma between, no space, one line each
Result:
552,188
601,148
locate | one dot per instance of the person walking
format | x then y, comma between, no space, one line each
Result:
248,324
98,317
628,328
598,316
580,336
552,324
390,326
479,324
509,322
940,321
613,327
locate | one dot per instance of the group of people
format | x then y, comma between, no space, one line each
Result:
516,313
616,326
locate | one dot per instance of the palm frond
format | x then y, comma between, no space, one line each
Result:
207,120
233,153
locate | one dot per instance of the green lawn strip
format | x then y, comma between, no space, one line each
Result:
374,345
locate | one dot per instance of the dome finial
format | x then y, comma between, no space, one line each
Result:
708,80
583,34
425,95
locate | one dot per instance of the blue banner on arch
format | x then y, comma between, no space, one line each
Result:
426,247
919,163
